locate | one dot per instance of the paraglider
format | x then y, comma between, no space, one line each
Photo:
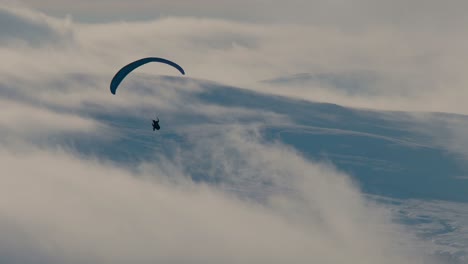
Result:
120,75
156,124
123,72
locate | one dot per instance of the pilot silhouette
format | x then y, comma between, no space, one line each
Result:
156,125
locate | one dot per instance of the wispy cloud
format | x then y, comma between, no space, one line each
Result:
75,210
408,67
25,120
415,15
264,203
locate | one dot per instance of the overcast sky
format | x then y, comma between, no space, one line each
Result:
417,14
398,55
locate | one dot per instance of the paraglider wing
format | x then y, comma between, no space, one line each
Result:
120,75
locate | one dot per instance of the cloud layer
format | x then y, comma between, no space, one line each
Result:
263,203
410,68
63,209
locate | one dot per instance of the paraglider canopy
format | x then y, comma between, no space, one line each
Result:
120,75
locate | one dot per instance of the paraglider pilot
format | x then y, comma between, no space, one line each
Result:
156,124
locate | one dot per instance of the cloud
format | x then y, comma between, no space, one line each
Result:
21,26
379,69
69,210
446,131
444,222
407,68
255,201
21,121
417,14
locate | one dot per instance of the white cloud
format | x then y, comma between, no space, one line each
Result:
20,121
63,209
67,210
446,131
427,15
23,26
411,70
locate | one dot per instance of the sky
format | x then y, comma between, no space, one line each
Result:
60,206
402,55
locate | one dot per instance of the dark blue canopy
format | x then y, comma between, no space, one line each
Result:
120,75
